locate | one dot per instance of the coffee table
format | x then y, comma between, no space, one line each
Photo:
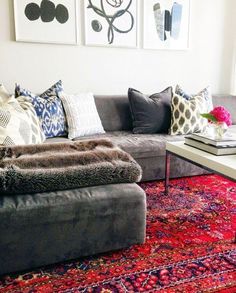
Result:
223,165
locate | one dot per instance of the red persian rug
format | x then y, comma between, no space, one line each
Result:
189,248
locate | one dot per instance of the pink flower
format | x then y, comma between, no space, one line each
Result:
222,115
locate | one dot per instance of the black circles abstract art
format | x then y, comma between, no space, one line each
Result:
47,11
111,22
46,21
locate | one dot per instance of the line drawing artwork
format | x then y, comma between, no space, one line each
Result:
111,17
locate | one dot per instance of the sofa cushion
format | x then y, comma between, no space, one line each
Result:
57,139
140,145
151,114
49,109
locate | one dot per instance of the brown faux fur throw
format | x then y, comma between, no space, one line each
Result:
61,166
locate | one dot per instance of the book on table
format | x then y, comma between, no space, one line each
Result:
227,140
215,150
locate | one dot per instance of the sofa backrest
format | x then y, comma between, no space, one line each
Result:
115,113
229,102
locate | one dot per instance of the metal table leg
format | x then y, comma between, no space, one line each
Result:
167,173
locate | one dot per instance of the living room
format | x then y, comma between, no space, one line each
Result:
84,224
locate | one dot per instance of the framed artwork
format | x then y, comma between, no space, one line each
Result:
46,21
166,24
111,23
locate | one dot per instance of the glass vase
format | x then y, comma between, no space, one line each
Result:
220,129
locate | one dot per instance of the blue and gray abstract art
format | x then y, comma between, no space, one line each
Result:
168,22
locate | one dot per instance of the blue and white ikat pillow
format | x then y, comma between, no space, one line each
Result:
204,93
49,109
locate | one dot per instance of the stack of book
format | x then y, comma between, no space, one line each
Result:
218,147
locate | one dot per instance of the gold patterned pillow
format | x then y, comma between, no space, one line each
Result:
185,114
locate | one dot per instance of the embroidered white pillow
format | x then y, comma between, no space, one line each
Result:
82,115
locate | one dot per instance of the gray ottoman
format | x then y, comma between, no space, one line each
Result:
47,228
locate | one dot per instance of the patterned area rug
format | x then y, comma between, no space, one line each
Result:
189,248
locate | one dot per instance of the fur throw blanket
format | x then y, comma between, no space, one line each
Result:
61,166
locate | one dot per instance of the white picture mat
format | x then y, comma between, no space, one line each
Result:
51,32
150,37
101,38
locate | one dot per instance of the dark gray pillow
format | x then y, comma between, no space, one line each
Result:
150,114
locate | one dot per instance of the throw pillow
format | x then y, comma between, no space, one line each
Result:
19,123
179,91
150,114
4,95
82,115
186,117
205,93
49,109
37,134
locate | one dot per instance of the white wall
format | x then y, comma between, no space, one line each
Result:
113,70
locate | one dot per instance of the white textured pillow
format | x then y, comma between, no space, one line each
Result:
18,121
82,115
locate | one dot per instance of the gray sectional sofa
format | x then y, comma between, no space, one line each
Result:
147,149
45,228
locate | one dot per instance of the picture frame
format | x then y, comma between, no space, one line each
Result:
46,21
166,24
112,23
